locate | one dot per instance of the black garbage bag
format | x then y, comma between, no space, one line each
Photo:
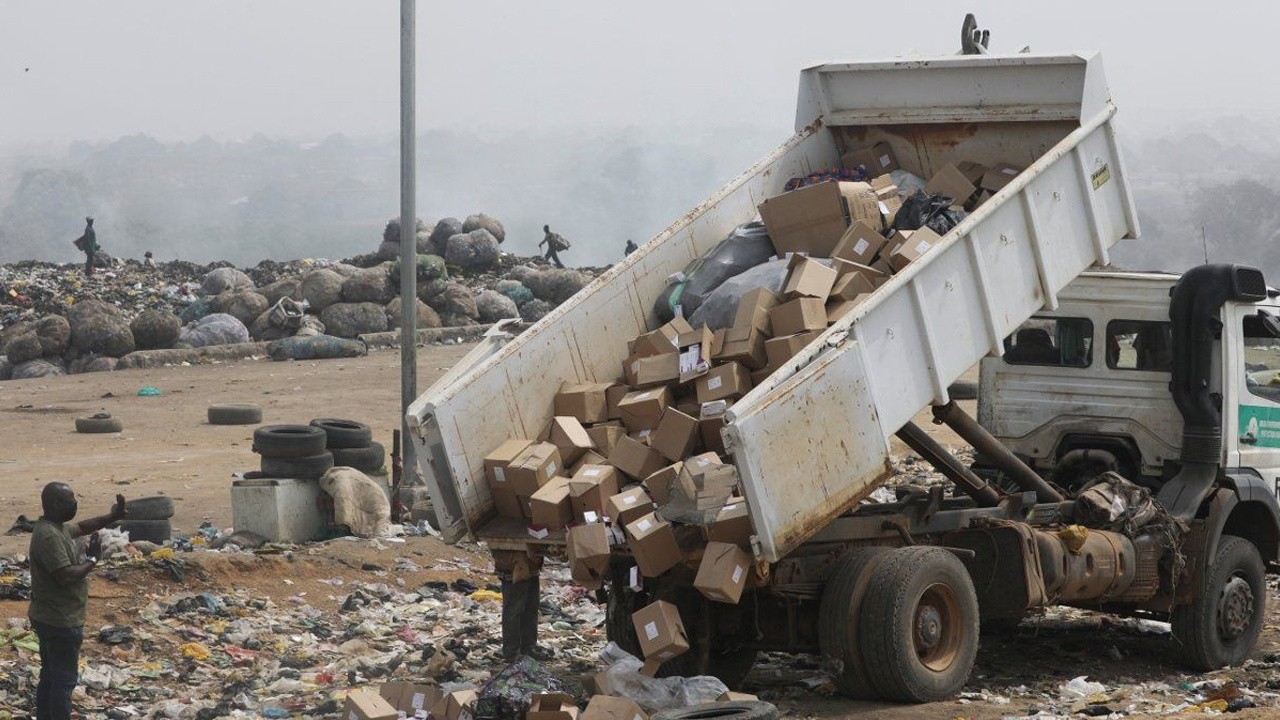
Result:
506,696
746,247
932,211
720,307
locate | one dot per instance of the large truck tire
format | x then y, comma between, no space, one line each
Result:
920,624
1221,626
839,619
737,710
288,441
156,531
96,424
158,507
365,459
344,433
310,467
242,414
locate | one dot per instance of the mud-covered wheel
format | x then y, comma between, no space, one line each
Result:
920,623
838,619
1222,624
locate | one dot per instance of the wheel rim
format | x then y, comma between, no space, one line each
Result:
1235,608
936,628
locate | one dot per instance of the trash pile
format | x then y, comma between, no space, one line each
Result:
54,320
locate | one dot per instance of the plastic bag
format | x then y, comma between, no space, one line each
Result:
718,309
667,693
1112,502
908,183
215,329
932,211
507,694
315,347
746,247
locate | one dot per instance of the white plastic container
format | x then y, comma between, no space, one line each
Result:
278,509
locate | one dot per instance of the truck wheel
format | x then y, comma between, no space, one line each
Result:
838,619
920,623
1221,625
288,441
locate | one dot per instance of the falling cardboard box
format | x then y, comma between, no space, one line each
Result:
551,706
949,181
811,219
705,483
587,547
725,382
496,462
590,489
807,278
642,409
569,437
533,467
588,402
859,244
914,244
551,507
635,459
660,631
658,485
368,705
877,159
732,525
629,505
722,574
607,707
797,316
676,436
653,545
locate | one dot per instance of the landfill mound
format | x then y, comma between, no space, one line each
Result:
54,320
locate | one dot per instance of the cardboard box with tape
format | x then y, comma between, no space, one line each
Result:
629,505
368,705
660,631
587,547
588,402
653,545
722,574
876,160
533,468
812,219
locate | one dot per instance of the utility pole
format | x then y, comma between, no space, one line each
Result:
408,234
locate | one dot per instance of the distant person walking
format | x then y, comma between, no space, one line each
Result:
88,243
60,592
555,243
632,247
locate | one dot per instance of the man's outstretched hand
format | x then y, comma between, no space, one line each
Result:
118,511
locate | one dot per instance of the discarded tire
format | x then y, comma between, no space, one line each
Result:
156,531
288,441
235,414
365,459
737,710
106,424
344,433
310,467
149,508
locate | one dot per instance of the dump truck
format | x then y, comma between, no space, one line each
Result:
894,594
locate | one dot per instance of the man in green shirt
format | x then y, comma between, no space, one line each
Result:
59,593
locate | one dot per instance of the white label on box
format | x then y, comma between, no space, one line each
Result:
500,474
551,470
884,161
862,245
589,516
629,500
1009,171
634,580
591,472
737,574
691,358
418,700
884,209
644,433
651,630
635,367
923,247
714,383
644,525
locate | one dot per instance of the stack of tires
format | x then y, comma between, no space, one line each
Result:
351,444
148,519
292,451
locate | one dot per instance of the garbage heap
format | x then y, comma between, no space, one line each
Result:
54,320
637,466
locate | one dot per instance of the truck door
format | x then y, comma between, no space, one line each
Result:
1251,409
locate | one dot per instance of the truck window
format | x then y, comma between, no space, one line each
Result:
1261,360
1062,342
1140,345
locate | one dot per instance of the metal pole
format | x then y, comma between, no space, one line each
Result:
408,234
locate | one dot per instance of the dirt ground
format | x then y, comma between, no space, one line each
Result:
168,448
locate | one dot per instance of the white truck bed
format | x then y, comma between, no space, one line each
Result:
813,439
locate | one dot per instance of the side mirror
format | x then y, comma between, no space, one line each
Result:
1270,323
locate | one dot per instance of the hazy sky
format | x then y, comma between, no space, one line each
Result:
231,68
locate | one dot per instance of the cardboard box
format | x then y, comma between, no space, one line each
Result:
753,310
951,182
590,489
722,574
807,278
717,341
590,457
629,505
496,462
726,382
508,504
653,545
550,507
455,705
393,692
419,698
597,684
533,467
614,395
972,171
710,422
660,631
605,436
676,435
914,243
696,349
607,707
781,349
732,525
642,409
811,219
705,483
648,371
881,264
588,402
368,705
635,459
587,547
745,346
658,485
889,207
859,244
999,176
569,437
837,309
551,706
877,159
731,696
799,315
851,285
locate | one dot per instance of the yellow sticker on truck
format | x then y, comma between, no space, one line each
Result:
1101,176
